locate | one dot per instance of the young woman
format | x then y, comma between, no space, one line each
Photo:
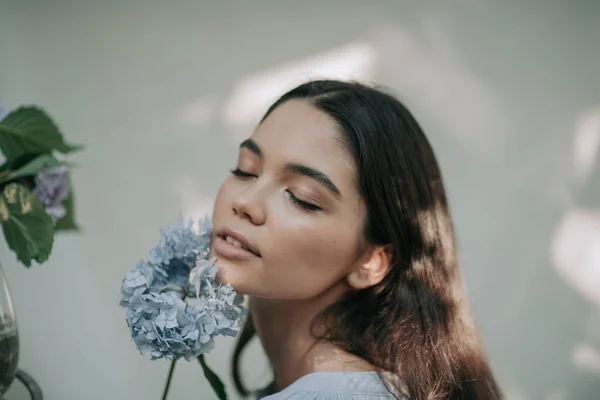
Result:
335,222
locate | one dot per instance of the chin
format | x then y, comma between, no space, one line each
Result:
229,274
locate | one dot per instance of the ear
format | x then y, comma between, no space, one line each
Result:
371,267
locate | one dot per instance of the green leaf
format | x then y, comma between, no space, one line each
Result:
213,379
30,130
67,223
34,166
28,229
18,162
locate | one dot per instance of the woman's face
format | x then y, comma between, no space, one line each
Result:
288,221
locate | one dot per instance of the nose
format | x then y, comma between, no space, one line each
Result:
250,205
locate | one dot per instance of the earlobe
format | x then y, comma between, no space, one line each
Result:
371,268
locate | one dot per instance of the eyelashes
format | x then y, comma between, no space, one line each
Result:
302,204
242,174
306,206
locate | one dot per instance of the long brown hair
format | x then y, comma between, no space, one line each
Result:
415,323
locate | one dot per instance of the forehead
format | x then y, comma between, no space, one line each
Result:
298,132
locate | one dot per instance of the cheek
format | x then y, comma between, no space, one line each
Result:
222,201
306,260
221,209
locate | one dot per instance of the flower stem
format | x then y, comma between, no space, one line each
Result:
168,384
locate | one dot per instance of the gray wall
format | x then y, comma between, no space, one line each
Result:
161,92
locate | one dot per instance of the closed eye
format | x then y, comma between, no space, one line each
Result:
303,204
243,174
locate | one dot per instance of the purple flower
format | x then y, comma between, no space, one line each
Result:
52,188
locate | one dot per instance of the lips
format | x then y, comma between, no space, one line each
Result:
237,240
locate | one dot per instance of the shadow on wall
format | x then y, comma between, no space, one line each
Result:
575,251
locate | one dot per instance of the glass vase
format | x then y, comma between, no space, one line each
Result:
9,337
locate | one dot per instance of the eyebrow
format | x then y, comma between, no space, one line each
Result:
315,174
294,168
252,146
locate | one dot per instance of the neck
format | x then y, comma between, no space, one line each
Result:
284,328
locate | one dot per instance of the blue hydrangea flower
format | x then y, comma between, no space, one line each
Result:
52,188
202,275
178,249
171,317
